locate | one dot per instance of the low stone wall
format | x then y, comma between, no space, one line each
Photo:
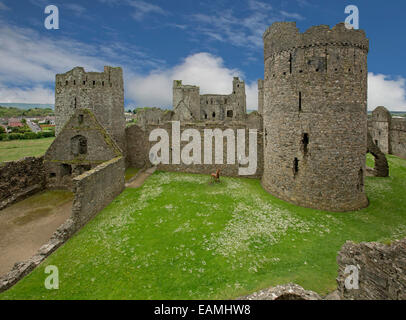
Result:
381,270
21,269
19,179
139,146
290,291
96,188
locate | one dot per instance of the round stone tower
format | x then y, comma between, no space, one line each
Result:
315,115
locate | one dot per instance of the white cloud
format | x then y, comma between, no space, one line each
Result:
143,8
3,6
292,15
35,95
77,9
384,91
202,69
29,62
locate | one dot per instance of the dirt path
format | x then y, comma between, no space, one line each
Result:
141,177
27,225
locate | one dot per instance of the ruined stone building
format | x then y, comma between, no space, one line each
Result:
80,146
100,92
315,115
189,105
388,133
311,124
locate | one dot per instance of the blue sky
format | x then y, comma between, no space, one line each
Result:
202,42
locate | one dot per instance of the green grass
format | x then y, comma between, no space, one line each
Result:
17,149
178,237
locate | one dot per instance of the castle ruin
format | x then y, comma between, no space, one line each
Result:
315,116
100,92
189,105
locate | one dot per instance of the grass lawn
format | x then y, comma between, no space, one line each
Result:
17,149
178,237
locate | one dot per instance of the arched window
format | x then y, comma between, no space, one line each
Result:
78,145
214,114
229,113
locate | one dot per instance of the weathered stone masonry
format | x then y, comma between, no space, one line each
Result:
189,105
139,146
101,92
19,179
82,145
381,270
96,188
388,133
315,116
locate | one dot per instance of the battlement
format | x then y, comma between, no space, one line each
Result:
78,77
177,84
285,36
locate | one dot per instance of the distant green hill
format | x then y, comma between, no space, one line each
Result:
8,112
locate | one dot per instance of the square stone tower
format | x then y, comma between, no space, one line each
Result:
101,92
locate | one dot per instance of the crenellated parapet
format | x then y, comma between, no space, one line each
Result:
285,36
78,77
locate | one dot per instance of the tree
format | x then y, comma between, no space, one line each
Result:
2,130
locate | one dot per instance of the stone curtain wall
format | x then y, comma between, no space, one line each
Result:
382,270
95,189
19,179
139,146
388,133
398,137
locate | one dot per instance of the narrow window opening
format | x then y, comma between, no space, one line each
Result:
52,175
94,83
74,82
80,118
229,113
300,101
67,82
205,115
290,63
214,114
376,142
305,143
84,82
75,103
296,166
103,83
